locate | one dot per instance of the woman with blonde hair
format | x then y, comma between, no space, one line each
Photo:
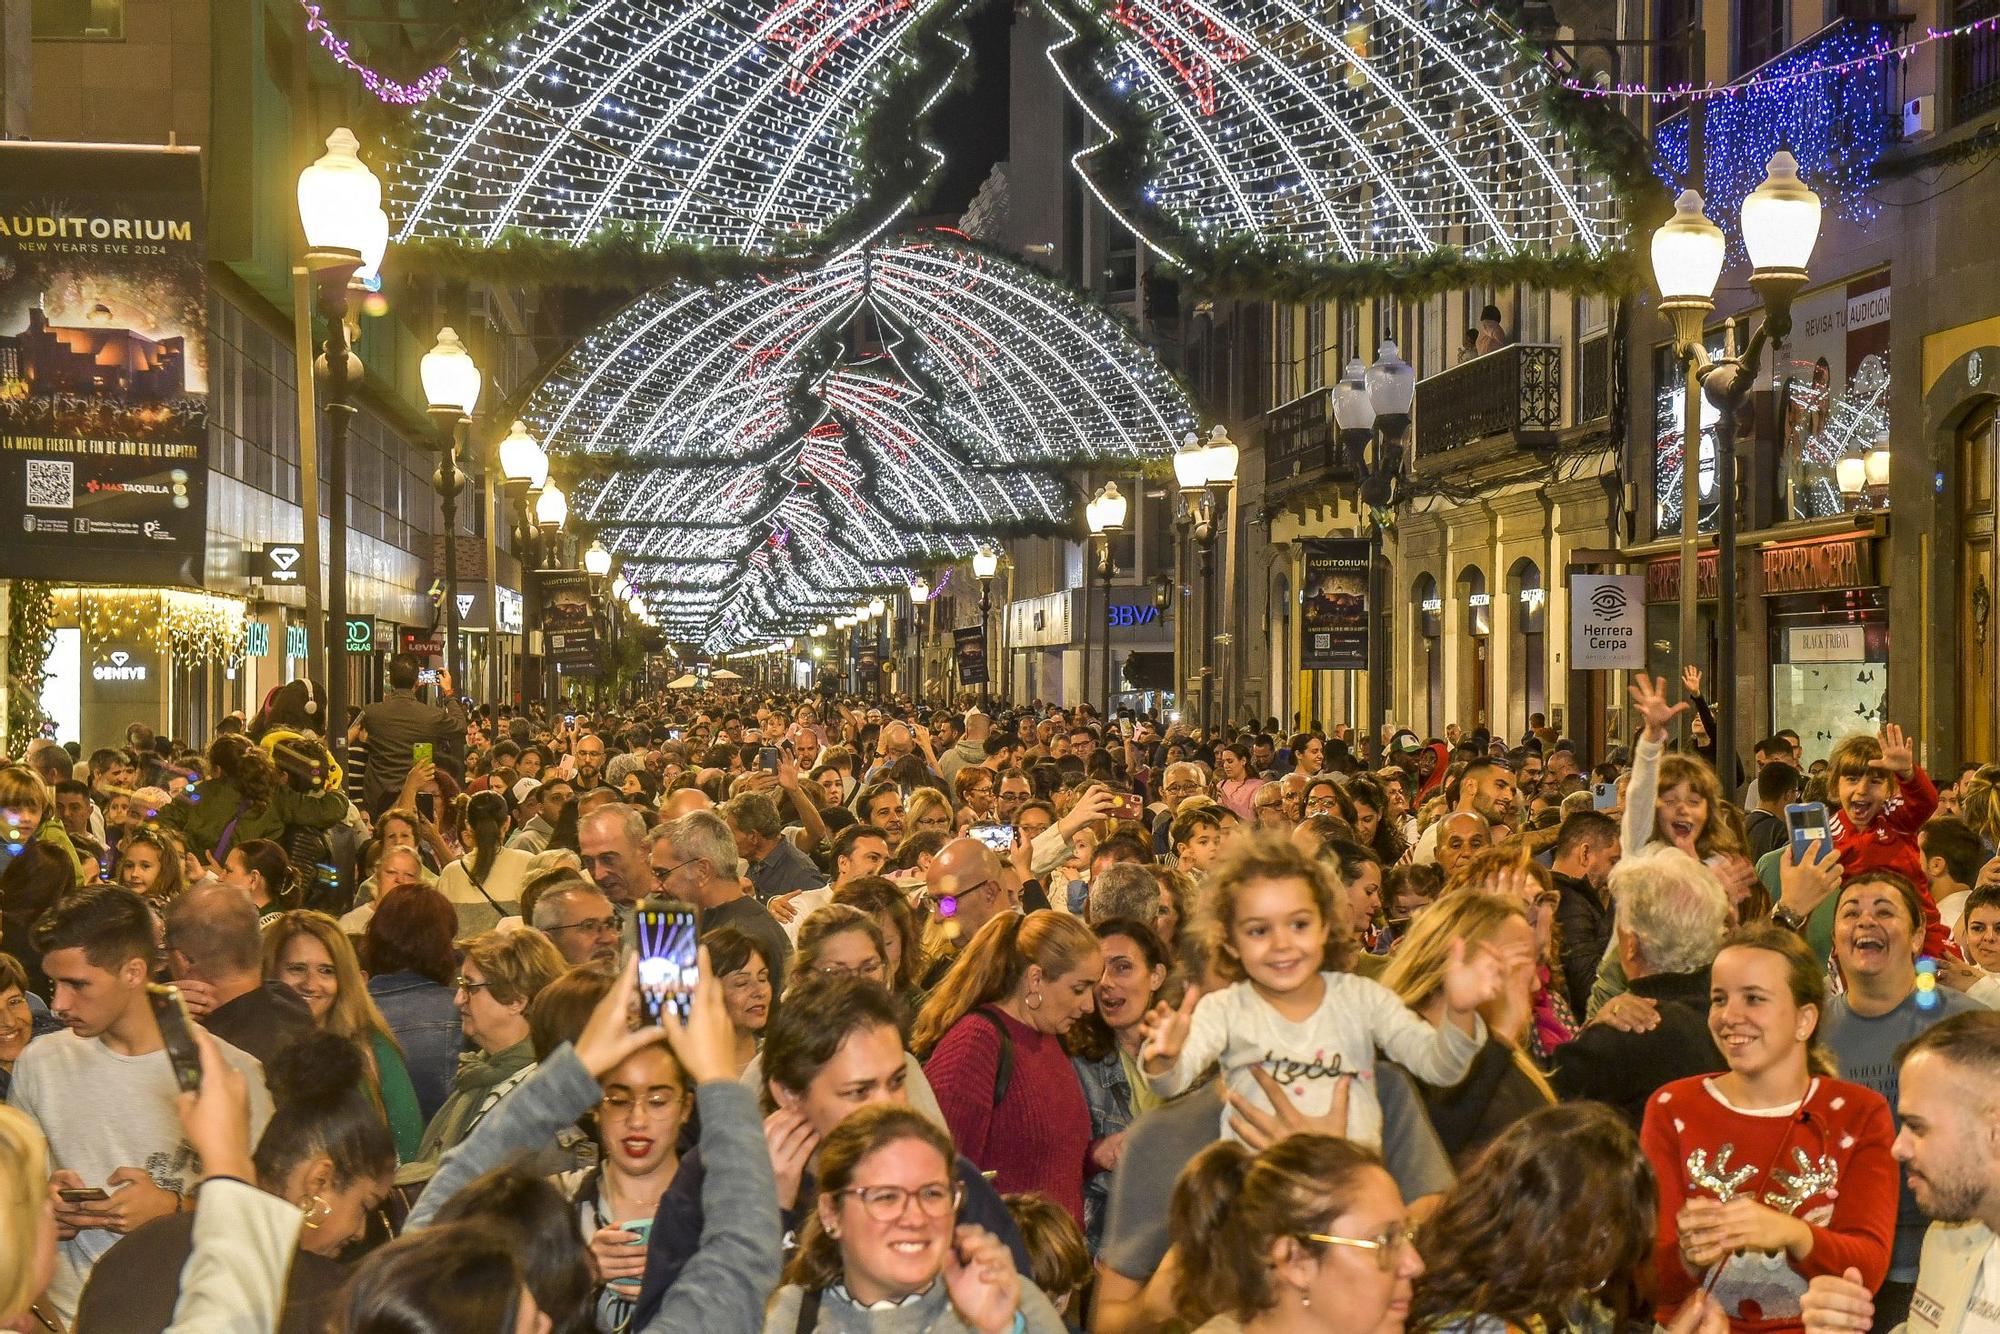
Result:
27,1217
308,952
1503,1084
929,809
843,941
41,871
901,933
991,1040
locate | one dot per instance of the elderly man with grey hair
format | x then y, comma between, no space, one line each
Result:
1125,889
694,860
582,923
612,840
774,863
1671,915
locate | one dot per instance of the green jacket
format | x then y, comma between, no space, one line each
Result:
201,823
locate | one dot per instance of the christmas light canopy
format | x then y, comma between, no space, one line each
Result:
768,451
727,125
1378,132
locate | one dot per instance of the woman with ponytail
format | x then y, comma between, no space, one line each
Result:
991,1040
884,1250
326,1151
484,884
1309,1235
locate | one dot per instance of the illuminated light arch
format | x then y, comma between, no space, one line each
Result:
755,475
689,125
1401,129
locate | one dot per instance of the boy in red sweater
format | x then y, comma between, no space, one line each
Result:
1881,799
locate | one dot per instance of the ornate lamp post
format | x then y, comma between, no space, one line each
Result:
920,597
346,233
1780,221
451,385
986,564
1105,514
1206,473
1371,407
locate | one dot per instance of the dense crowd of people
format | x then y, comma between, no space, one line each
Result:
1007,1020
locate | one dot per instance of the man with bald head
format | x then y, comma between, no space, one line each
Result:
612,842
966,877
685,801
589,756
217,956
1459,835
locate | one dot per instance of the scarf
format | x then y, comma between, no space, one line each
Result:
480,1077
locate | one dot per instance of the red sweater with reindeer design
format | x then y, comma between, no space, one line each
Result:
1825,1160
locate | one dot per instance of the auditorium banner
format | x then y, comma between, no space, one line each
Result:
1333,615
969,644
103,363
570,630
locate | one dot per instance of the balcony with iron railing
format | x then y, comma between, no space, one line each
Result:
1302,449
1513,395
1975,60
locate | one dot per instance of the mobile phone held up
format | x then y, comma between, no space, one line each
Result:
999,837
427,676
421,752
177,1034
1603,796
1127,806
769,758
1806,823
669,964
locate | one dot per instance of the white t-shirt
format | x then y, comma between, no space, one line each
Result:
804,905
101,1111
1356,1016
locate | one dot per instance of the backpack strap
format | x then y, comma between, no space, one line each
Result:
808,1311
1003,1076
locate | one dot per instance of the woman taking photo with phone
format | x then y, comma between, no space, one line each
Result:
884,1249
1774,1171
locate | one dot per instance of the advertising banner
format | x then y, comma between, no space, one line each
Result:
1333,613
569,619
103,363
1607,621
969,642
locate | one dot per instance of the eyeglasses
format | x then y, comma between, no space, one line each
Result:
655,1103
661,875
1388,1247
1320,803
468,986
871,969
597,926
885,1204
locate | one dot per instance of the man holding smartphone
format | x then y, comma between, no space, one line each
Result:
399,722
103,1092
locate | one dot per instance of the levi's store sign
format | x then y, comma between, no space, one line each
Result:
1823,565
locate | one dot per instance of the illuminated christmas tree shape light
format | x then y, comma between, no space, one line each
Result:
759,476
730,125
1372,132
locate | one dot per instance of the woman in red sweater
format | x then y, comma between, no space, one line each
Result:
1772,1172
991,1041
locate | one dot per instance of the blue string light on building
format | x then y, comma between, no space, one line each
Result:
1836,124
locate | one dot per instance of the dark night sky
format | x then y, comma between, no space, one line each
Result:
970,125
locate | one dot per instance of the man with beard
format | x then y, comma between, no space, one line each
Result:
589,757
1486,788
1949,1145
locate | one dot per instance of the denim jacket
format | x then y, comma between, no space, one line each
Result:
1108,1094
426,1025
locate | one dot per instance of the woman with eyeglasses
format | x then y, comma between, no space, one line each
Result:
744,966
1573,1175
838,941
498,974
637,1123
1310,1234
883,1249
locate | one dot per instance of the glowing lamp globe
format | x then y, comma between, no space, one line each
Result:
1781,219
876,606
985,563
522,460
1191,463
1687,254
552,507
597,561
920,590
1353,410
1220,455
339,196
1850,472
635,605
1392,382
451,379
1106,513
1875,466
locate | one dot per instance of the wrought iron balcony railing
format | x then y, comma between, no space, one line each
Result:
1514,392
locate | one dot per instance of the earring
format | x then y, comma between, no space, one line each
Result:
316,1211
1034,1001
833,1232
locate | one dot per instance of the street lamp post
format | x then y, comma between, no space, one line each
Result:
346,234
986,564
1780,221
451,385
1106,516
920,597
1206,473
524,471
1371,406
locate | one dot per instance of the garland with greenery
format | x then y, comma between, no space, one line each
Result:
31,635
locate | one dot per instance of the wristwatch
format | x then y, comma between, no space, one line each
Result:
1788,919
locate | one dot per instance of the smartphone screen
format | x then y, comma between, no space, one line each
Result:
1806,823
427,806
88,1193
177,1033
1603,796
668,963
421,752
999,837
427,677
769,758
